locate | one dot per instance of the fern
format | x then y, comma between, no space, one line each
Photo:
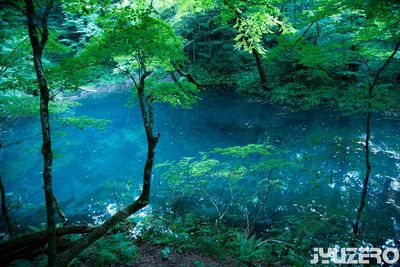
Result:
249,249
112,249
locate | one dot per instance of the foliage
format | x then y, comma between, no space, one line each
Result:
21,263
131,46
84,122
232,184
313,226
283,246
316,54
188,232
111,249
244,151
14,104
181,94
317,59
165,253
254,26
249,249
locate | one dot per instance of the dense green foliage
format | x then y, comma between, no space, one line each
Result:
234,202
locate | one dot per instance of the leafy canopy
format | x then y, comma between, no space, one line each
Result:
133,42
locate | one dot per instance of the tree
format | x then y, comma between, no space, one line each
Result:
254,20
251,21
37,48
134,41
378,17
368,167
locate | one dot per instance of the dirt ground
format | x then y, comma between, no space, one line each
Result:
151,255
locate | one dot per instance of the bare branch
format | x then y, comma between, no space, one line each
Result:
304,33
13,51
385,64
365,63
55,94
127,72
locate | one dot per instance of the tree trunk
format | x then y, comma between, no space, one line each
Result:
144,198
356,225
174,78
187,76
261,71
256,54
4,209
37,47
179,69
59,210
21,246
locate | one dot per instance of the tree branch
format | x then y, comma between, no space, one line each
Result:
45,31
386,63
13,51
309,26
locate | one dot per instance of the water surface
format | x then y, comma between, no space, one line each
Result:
90,162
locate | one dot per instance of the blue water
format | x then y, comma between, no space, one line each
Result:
95,168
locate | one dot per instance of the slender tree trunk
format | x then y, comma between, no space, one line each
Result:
356,226
194,48
317,34
144,198
363,200
4,209
37,47
260,67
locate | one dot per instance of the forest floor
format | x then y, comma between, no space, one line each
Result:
151,256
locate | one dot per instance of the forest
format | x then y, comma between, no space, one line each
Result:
199,132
